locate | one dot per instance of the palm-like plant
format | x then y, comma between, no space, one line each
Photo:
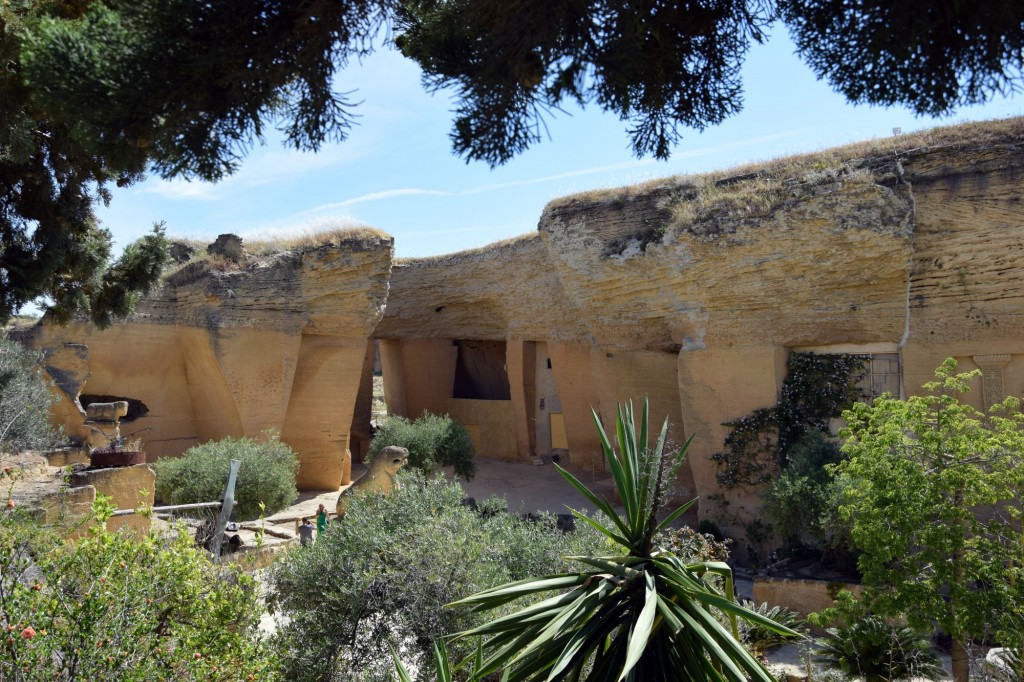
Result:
758,639
642,614
879,651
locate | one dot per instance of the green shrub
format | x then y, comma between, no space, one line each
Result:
384,573
25,401
759,639
692,546
863,644
803,502
709,527
432,440
878,651
115,607
266,474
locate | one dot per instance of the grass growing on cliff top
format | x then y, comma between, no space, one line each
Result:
759,185
262,247
312,238
458,256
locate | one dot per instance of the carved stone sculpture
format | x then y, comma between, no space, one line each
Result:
380,478
106,412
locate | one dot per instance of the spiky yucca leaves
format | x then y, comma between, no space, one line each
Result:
640,615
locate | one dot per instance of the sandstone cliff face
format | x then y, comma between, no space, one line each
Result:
278,343
694,290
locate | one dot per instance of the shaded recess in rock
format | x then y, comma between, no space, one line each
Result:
136,408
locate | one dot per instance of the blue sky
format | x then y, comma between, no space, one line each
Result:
396,171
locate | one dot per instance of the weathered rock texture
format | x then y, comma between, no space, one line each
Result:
694,291
64,495
275,343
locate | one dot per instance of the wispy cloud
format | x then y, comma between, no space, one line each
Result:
579,172
375,196
593,170
181,189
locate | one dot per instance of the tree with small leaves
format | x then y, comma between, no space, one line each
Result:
933,489
52,248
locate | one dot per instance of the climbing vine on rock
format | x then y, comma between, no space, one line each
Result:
816,389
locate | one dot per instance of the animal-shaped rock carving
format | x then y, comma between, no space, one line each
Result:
380,478
106,412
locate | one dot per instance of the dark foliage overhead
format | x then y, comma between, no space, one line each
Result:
930,56
659,65
51,179
97,92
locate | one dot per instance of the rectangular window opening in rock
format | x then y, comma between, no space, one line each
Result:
480,371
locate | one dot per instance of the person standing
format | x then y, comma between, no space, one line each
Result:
305,532
322,519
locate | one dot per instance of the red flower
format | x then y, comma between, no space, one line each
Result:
28,633
10,504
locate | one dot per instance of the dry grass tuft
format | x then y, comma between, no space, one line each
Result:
309,239
459,256
266,246
755,190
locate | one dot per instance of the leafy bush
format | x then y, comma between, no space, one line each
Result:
384,573
803,502
431,440
816,389
25,401
863,644
266,474
709,527
114,607
692,546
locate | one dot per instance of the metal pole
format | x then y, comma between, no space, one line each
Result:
171,507
225,509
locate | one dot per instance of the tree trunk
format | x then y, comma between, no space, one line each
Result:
961,660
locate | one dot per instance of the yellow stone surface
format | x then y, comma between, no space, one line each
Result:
691,290
278,344
694,291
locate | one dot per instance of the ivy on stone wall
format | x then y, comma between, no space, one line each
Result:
816,389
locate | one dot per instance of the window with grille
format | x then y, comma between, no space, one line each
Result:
882,375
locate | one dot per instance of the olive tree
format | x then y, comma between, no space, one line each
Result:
381,576
25,400
934,493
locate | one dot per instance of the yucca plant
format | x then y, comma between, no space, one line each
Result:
442,664
642,614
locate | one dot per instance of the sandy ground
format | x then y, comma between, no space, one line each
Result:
525,487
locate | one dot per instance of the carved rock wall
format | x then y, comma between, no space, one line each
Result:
694,291
277,344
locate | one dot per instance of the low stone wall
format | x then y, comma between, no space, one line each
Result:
800,595
128,487
490,423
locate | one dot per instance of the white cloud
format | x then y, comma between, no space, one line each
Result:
374,196
180,189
